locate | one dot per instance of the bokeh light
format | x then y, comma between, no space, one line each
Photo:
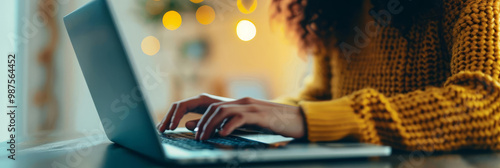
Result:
246,30
155,7
150,45
172,20
196,1
205,14
246,6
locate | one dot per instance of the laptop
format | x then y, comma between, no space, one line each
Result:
109,75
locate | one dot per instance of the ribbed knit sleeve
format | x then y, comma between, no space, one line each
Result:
463,113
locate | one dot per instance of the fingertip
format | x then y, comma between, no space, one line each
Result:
158,127
191,125
202,136
222,133
159,124
227,131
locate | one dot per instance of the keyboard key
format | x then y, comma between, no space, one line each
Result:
187,141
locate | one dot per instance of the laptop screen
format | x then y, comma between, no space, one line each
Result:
110,78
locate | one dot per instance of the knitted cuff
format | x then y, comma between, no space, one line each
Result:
330,120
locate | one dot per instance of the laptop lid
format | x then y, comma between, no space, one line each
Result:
110,78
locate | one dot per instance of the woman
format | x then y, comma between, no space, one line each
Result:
415,75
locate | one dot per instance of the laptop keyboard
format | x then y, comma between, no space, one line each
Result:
187,141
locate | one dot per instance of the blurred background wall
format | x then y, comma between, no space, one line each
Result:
200,56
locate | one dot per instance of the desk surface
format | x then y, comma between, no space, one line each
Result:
96,151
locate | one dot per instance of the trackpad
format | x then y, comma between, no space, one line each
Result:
266,138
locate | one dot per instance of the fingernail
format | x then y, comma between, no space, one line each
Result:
159,125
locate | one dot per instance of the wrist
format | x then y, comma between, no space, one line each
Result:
330,120
302,136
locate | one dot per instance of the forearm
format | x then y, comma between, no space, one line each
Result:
448,118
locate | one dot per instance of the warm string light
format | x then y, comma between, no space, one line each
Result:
155,7
172,20
196,1
205,14
246,30
246,6
150,45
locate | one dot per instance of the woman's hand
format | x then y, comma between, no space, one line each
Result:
231,114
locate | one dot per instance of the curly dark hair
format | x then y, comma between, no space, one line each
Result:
320,25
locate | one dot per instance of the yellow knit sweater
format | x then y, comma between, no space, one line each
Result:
437,89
